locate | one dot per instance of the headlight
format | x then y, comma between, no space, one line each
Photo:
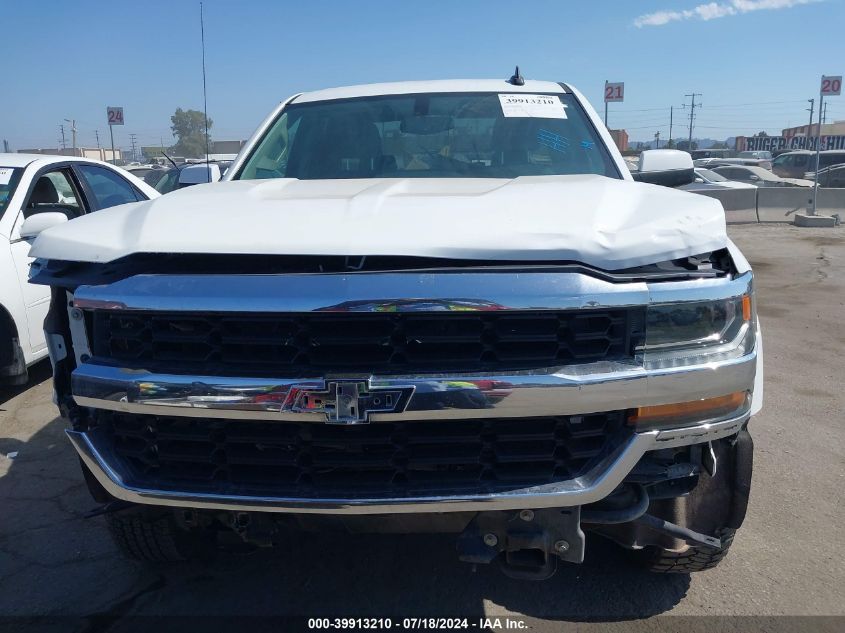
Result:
697,332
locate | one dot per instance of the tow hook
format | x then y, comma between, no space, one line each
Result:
685,534
526,544
110,508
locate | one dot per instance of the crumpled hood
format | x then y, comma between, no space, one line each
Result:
604,222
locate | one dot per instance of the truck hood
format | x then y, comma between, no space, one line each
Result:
604,222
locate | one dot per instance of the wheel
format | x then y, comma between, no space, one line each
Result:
152,535
699,558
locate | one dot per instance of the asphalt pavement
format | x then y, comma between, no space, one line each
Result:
786,560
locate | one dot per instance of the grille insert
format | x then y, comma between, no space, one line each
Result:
311,460
298,344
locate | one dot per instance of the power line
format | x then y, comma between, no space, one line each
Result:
759,103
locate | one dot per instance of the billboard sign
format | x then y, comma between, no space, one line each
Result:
781,143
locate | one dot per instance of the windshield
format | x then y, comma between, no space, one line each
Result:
712,176
486,135
9,177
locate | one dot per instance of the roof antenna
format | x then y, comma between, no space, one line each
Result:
516,79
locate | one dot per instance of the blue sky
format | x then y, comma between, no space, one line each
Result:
754,61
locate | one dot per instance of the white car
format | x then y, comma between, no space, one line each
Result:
758,176
708,177
37,191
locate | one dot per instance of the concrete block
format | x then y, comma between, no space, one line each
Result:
802,219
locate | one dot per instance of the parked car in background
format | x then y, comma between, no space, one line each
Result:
802,163
142,171
710,163
709,177
38,191
172,179
756,155
758,176
700,154
833,177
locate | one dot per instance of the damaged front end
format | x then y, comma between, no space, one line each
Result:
517,406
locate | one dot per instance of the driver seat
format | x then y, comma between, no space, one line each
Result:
45,194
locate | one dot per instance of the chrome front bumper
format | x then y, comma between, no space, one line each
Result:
599,482
568,390
571,390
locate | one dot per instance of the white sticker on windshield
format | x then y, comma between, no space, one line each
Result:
5,175
539,106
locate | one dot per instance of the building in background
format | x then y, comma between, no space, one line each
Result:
218,150
97,153
837,128
620,137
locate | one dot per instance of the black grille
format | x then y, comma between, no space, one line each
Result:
299,344
320,461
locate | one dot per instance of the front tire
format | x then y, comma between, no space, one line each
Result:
153,536
698,558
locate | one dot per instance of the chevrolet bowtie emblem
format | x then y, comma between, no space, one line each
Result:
349,401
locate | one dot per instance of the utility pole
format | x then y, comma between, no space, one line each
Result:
810,126
692,116
671,113
73,133
5,146
132,141
97,135
822,105
62,128
824,114
657,140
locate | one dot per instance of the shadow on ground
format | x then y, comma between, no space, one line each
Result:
53,561
38,373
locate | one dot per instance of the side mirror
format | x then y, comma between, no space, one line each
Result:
667,167
753,177
699,180
198,174
39,222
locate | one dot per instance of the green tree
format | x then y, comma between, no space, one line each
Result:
188,128
719,146
670,144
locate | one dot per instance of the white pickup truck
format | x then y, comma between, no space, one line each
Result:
412,307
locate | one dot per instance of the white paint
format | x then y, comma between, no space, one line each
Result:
664,160
27,303
441,85
607,222
5,175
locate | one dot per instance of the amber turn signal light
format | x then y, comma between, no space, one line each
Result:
746,308
686,412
